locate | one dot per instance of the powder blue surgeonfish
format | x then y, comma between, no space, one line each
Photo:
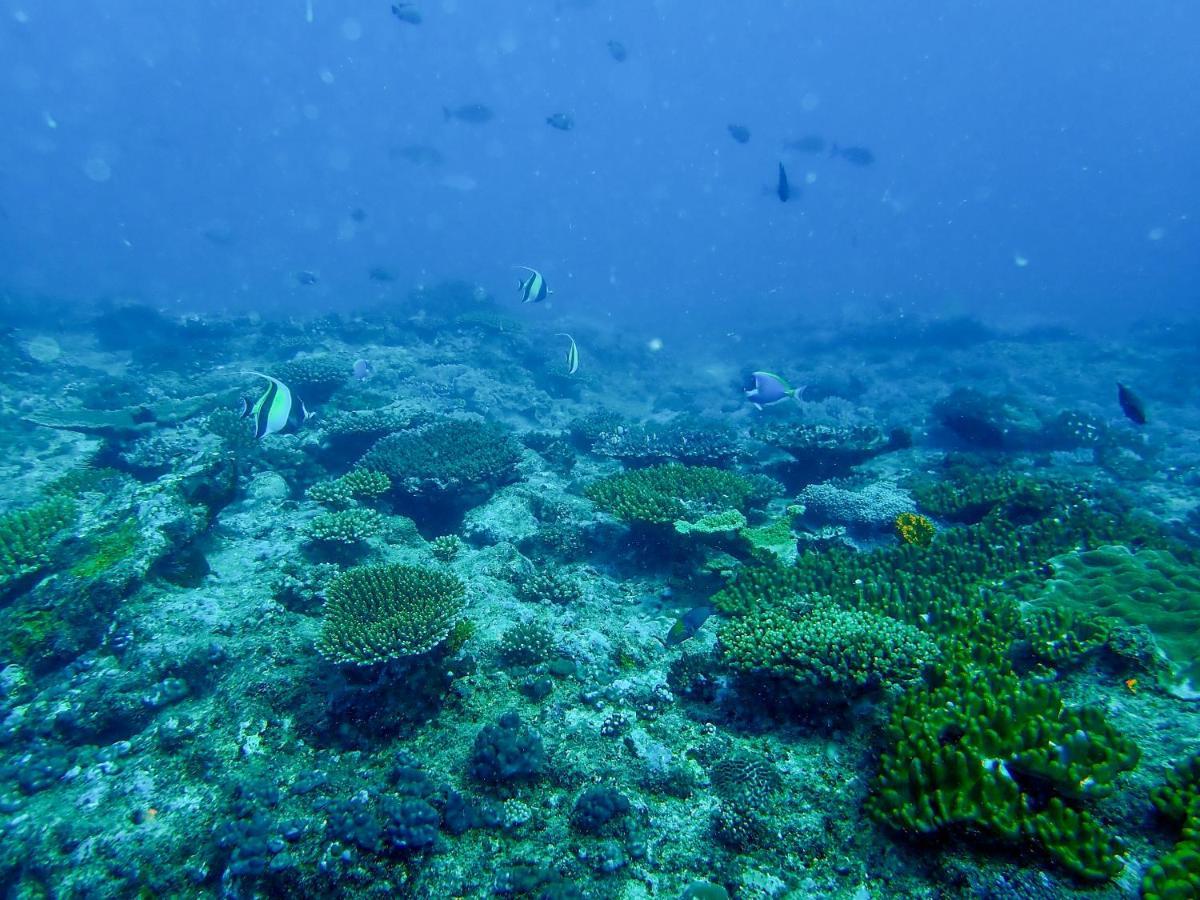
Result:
278,409
769,388
533,289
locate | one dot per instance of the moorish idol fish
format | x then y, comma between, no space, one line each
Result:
276,410
533,289
770,389
572,354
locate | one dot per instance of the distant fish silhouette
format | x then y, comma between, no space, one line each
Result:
617,51
783,190
418,154
561,121
307,278
810,143
1131,405
857,156
739,133
471,113
405,13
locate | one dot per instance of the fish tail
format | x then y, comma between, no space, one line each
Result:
798,393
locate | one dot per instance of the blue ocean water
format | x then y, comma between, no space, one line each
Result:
598,448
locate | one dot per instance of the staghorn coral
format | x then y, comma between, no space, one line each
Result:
377,613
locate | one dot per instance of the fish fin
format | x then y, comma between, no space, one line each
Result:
798,393
758,406
246,407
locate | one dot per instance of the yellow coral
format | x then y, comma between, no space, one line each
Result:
914,529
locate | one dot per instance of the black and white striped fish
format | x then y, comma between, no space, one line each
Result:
278,409
533,289
572,353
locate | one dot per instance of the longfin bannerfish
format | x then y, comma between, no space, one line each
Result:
277,409
533,289
572,353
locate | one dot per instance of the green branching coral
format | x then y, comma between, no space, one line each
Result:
814,642
27,537
982,752
446,547
377,613
663,495
551,586
360,485
450,457
346,526
1177,874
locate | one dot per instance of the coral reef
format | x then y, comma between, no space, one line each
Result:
377,613
27,537
668,493
463,457
988,753
838,652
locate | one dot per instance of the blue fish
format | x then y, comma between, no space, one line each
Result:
769,388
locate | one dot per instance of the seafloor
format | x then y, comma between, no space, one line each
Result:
480,627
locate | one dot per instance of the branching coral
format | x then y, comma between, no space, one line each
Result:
981,751
814,642
663,495
27,536
377,613
450,457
